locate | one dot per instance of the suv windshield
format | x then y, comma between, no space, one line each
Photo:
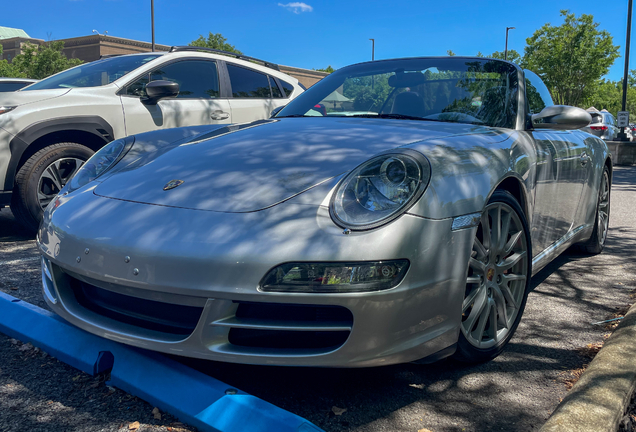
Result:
94,74
476,91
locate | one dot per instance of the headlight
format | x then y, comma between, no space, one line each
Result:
335,277
380,190
100,162
6,109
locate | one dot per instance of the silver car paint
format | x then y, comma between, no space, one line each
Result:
214,257
217,257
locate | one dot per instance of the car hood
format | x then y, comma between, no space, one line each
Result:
18,98
250,167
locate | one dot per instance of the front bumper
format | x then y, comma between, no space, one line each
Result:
213,262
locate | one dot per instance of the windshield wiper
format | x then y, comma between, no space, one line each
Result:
395,116
293,115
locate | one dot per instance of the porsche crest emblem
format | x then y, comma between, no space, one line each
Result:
490,274
172,184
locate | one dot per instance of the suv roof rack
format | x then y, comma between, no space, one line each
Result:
227,53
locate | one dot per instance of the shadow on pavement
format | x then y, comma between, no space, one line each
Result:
11,230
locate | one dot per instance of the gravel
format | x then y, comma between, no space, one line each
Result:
39,393
517,391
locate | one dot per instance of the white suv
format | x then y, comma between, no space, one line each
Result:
48,129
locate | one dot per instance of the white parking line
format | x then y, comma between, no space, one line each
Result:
19,261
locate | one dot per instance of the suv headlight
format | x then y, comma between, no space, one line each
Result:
6,109
380,190
106,158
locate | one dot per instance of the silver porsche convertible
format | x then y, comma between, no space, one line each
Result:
394,212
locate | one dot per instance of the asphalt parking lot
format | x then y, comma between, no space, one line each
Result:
517,391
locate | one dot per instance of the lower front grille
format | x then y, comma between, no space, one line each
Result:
288,326
285,339
148,314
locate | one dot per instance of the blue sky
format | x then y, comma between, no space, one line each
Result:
317,33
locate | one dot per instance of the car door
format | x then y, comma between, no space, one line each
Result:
199,101
559,175
254,94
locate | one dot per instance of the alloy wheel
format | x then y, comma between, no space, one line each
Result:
54,177
603,208
497,274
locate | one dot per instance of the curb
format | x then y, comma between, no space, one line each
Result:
191,396
598,400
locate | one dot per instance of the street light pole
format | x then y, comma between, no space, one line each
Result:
506,50
622,136
152,21
372,49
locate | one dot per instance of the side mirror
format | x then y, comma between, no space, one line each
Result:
160,89
276,111
561,117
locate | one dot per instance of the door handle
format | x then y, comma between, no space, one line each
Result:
584,159
219,115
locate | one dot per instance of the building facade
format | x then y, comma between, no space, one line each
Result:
93,47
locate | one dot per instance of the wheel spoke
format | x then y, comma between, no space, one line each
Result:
485,229
477,265
44,199
502,310
478,308
53,174
512,242
492,330
505,290
505,227
512,260
468,301
473,280
496,228
483,320
480,249
78,165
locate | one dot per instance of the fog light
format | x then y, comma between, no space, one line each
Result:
335,277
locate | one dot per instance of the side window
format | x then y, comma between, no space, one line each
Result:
197,79
287,87
537,94
275,90
247,83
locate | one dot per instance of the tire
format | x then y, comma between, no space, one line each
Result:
497,281
596,243
41,178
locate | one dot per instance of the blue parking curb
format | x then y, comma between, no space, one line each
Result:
191,396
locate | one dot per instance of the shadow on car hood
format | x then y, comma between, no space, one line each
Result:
264,163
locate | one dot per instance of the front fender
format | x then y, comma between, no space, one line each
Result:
466,170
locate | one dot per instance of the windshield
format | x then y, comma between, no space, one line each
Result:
94,74
476,91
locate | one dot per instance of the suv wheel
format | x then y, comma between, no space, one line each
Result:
42,177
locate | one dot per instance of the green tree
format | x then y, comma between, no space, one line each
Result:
513,56
216,41
41,61
328,69
570,58
450,53
7,70
608,95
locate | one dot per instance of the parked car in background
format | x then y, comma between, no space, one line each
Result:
13,84
603,125
406,229
49,129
